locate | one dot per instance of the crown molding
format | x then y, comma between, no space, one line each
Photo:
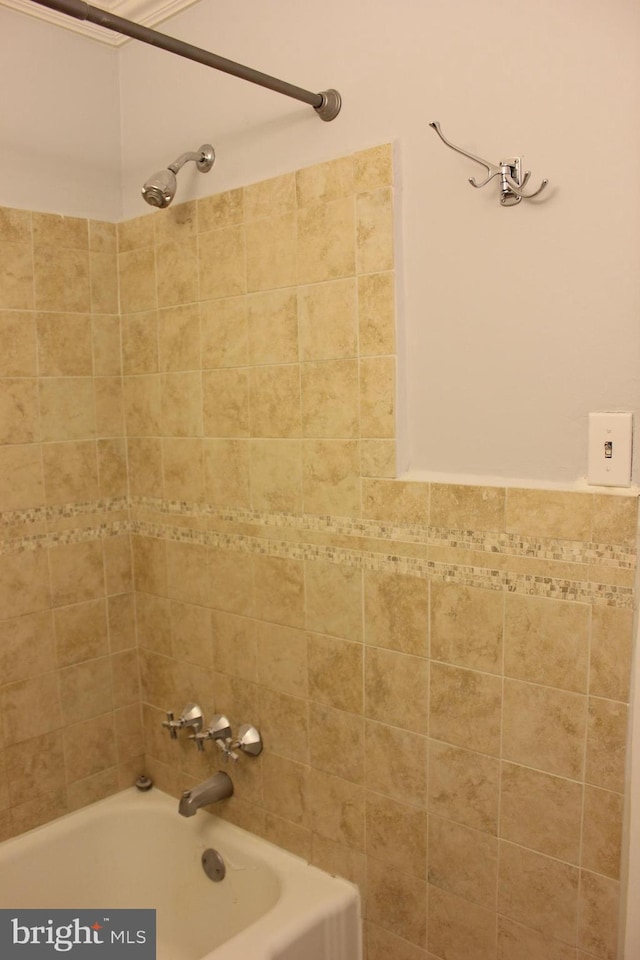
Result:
147,12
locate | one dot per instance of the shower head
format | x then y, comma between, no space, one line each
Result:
160,189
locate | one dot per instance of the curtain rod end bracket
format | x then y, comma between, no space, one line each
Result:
330,106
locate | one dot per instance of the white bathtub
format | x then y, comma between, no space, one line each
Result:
135,850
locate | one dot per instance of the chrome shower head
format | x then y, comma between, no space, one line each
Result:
160,189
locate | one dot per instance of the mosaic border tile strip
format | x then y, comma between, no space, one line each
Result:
156,518
493,542
62,537
542,585
64,511
100,512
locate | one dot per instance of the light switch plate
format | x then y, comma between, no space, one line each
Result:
610,446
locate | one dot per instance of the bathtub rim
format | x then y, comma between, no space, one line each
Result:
328,896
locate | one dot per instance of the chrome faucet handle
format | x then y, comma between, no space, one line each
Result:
200,738
219,730
249,740
191,716
220,727
172,725
227,749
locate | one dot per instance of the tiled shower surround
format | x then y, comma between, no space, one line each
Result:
440,672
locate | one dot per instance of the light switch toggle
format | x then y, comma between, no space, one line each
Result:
610,447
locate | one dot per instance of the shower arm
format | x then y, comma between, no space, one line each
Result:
327,103
203,159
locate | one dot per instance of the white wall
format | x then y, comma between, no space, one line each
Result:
59,120
516,322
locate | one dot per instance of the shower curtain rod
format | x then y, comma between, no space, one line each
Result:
326,104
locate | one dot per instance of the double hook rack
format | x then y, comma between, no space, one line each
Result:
512,180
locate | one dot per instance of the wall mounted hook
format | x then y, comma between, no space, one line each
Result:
512,180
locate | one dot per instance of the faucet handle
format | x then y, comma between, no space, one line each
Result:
227,749
219,730
172,725
220,727
191,716
249,740
199,738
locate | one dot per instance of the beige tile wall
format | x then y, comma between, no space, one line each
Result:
70,726
444,710
441,673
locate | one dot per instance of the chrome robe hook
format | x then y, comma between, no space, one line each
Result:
512,180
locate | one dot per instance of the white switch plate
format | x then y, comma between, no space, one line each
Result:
610,440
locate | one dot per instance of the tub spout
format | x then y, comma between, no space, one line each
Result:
217,787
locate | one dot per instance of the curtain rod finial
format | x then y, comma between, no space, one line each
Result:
330,106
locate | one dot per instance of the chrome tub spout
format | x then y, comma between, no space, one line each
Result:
218,787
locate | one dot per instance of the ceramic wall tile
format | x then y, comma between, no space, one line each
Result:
81,632
327,316
463,861
467,626
396,689
274,401
21,476
539,892
465,708
376,314
221,263
547,642
464,786
397,900
224,332
219,519
374,231
326,241
460,929
541,812
179,338
602,831
395,612
544,728
272,327
26,646
333,599
220,210
331,477
599,922
330,399
516,942
271,246
335,672
16,276
396,834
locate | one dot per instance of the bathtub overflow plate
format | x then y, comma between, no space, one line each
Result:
213,864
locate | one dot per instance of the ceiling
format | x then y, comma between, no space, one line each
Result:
147,12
